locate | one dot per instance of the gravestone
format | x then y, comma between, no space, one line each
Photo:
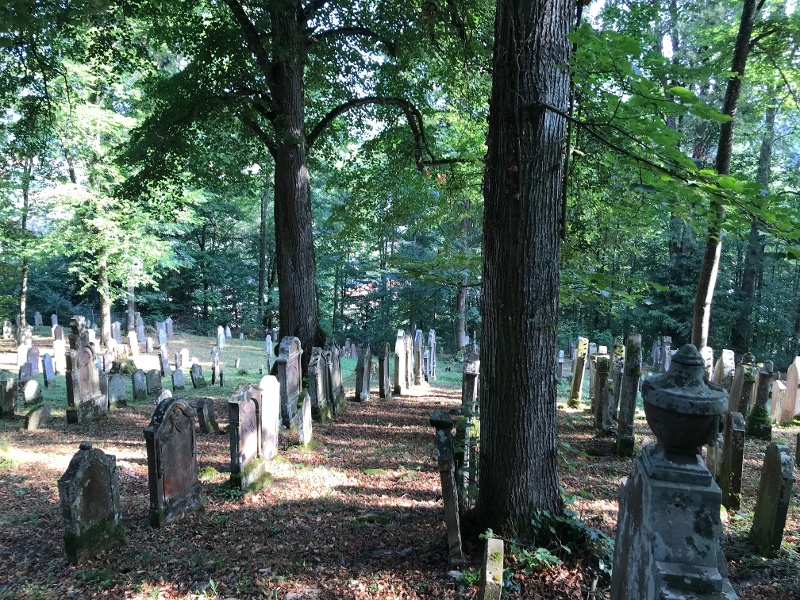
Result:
168,325
116,332
758,421
89,497
220,336
560,365
32,393
37,319
215,368
443,424
177,380
178,358
162,396
153,382
318,386
7,331
185,361
58,332
133,342
305,431
666,353
669,534
384,388
792,385
205,416
8,396
631,373
172,462
400,364
742,386
364,373
409,360
108,361
418,356
139,381
469,384
779,405
269,350
22,354
149,345
54,319
85,401
245,418
289,374
25,374
38,417
431,364
334,383
730,468
603,417
162,335
578,370
140,333
163,362
228,332
117,397
617,368
772,502
271,417
196,375
347,347
60,356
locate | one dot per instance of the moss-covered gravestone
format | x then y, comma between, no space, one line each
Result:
172,462
318,387
89,493
139,385
245,415
578,369
196,374
772,503
333,361
153,381
758,421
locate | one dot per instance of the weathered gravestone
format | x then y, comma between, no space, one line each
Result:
116,332
400,363
430,372
25,374
778,403
168,325
578,370
89,497
37,417
185,362
742,386
216,369
318,386
617,368
346,347
443,424
631,373
153,382
116,391
161,330
725,369
409,360
772,502
140,333
139,385
228,331
305,425
384,388
288,373
469,384
133,342
164,362
37,319
162,396
149,345
560,365
8,396
7,331
220,336
60,356
178,358
58,332
669,533
32,393
730,468
603,416
335,385
54,319
271,403
206,421
419,345
792,386
364,373
269,350
177,380
22,354
85,402
172,462
196,375
245,418
758,421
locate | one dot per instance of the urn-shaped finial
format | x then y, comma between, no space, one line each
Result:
682,408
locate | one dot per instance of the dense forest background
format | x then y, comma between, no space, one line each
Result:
133,162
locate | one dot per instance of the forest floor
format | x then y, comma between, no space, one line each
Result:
358,515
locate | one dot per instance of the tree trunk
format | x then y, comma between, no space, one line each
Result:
701,316
753,262
461,311
23,291
104,288
294,241
522,193
131,316
262,256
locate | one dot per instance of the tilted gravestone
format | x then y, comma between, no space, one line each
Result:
89,497
48,370
172,462
25,374
443,424
133,342
758,421
153,382
246,429
85,402
384,388
205,416
8,396
631,373
730,468
163,362
32,393
578,370
196,375
139,381
177,380
335,385
400,364
364,374
317,386
116,391
772,502
288,373
38,417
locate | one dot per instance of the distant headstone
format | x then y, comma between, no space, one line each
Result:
578,370
469,385
54,319
409,360
431,364
384,386
241,335
228,332
772,502
792,386
172,462
220,336
271,407
8,332
162,334
89,497
364,373
163,362
177,380
631,373
318,386
38,417
196,375
37,319
116,391
139,385
178,359
116,332
215,369
85,401
149,345
730,469
779,406
305,425
269,350
133,341
289,377
185,361
25,373
758,422
32,393
60,356
153,381
418,358
744,380
168,325
58,332
205,416
22,354
400,364
140,333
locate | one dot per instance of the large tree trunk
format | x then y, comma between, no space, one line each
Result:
753,262
461,311
23,290
294,241
104,287
522,192
701,316
262,256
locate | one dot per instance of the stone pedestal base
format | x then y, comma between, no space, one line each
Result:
89,409
669,533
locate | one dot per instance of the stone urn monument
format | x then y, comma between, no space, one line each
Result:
669,532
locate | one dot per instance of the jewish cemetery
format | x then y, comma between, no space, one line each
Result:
382,301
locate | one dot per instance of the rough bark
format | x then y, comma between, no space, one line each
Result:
23,291
701,316
461,311
522,206
262,256
104,287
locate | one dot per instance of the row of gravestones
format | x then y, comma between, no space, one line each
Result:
414,360
89,489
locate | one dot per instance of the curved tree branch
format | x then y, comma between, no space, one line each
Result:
251,36
260,133
356,30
